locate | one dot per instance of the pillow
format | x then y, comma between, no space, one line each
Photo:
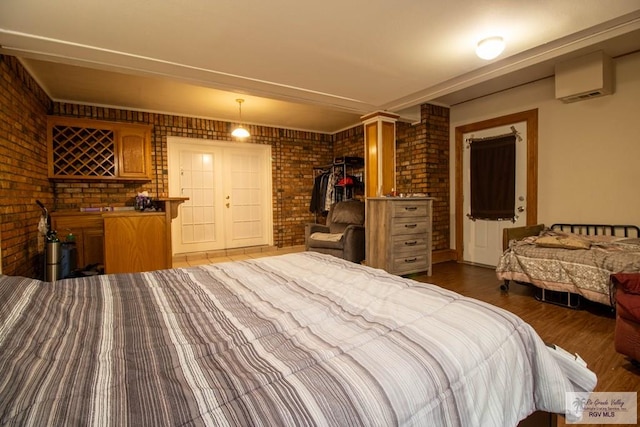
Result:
568,242
327,237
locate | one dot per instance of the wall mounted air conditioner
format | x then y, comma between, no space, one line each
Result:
585,77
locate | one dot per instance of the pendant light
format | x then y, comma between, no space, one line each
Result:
240,132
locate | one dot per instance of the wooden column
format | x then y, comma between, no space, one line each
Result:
380,153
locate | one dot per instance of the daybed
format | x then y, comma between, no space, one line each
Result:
291,340
573,259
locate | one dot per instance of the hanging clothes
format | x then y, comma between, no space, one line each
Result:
324,193
318,193
332,184
331,195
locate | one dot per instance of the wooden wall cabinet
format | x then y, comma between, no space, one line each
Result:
398,234
98,150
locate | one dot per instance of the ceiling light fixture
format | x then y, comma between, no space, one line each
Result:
490,47
240,132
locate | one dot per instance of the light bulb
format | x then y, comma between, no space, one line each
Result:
240,132
490,48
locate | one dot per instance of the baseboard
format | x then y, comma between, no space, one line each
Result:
443,255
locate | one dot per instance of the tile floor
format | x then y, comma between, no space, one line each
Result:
199,258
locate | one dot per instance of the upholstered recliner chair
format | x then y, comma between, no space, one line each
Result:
343,234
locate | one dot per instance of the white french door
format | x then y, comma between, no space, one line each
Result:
229,191
482,238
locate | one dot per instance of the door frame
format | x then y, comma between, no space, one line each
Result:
173,144
531,118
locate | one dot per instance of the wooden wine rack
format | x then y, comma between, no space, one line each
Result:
98,150
83,151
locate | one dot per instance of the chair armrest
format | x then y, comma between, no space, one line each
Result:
628,282
311,228
354,243
353,229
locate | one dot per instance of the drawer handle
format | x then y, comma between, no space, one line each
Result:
411,225
410,260
410,208
411,243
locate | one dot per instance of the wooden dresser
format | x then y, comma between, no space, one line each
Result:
398,234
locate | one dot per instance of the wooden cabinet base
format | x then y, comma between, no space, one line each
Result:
124,242
135,243
89,235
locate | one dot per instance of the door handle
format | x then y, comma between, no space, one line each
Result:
227,205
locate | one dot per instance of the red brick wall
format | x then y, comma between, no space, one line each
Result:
23,168
350,143
422,165
422,162
436,120
294,154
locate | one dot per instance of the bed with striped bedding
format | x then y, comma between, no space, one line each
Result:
292,340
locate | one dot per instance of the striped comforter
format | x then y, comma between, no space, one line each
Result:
293,340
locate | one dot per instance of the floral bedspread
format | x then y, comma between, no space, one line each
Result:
584,272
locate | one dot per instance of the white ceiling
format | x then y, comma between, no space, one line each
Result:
314,66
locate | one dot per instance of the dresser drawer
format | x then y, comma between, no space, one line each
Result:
410,210
408,243
410,263
403,226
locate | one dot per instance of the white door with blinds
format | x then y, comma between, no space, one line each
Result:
483,238
229,191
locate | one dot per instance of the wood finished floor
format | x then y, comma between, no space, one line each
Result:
588,331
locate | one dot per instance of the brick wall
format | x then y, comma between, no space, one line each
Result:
294,154
422,165
422,162
436,121
350,143
23,169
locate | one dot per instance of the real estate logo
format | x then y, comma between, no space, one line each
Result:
601,408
